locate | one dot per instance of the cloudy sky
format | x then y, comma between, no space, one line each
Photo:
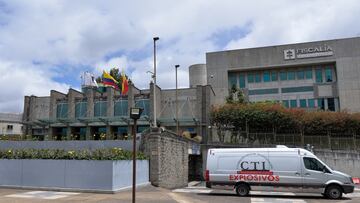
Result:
46,44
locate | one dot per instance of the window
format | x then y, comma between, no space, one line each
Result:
274,76
250,77
9,127
297,89
264,91
331,104
242,80
121,108
80,109
145,105
328,75
285,103
303,103
314,164
308,74
321,103
291,75
318,74
62,110
300,75
100,109
311,103
293,103
283,75
258,77
232,80
266,76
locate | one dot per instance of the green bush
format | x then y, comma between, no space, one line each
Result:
275,117
98,154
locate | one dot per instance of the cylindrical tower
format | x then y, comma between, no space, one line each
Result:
197,75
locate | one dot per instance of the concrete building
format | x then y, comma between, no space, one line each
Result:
93,114
10,124
322,74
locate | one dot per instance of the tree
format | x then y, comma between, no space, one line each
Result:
236,96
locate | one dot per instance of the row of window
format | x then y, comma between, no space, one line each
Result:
310,103
100,108
321,75
283,90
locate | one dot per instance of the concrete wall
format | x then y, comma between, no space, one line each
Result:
197,75
72,175
67,145
344,161
168,156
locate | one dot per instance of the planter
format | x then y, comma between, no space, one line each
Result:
72,175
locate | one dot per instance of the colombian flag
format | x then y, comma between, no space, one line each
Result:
108,80
124,84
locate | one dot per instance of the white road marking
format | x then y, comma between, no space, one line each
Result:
42,195
182,199
193,190
275,200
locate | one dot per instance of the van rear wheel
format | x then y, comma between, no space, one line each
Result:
242,190
334,192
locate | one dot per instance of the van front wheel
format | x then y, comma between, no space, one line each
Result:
334,192
242,190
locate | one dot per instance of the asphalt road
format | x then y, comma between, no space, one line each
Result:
150,194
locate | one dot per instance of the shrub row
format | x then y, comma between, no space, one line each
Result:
276,117
98,154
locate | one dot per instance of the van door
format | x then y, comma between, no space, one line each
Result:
287,166
314,174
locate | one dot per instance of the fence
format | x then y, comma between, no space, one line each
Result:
334,141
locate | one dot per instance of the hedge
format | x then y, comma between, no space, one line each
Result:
98,154
277,118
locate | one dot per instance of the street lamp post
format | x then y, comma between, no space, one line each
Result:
176,100
154,76
135,114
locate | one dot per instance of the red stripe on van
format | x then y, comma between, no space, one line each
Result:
257,172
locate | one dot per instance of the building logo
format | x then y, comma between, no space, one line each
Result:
309,52
289,54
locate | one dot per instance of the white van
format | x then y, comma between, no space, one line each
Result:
274,169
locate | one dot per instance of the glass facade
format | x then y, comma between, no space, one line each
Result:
80,109
331,104
321,103
300,75
232,80
264,91
100,109
291,75
311,103
250,77
303,103
274,76
62,110
145,105
309,74
293,103
242,80
318,74
121,108
266,76
328,75
283,75
285,103
297,89
257,77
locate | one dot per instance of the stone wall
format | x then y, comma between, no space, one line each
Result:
344,161
169,157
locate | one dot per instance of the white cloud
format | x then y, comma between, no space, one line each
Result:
37,37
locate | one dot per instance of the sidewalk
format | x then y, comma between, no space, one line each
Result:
148,194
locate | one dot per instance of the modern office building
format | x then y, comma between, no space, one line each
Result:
92,114
322,74
10,124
